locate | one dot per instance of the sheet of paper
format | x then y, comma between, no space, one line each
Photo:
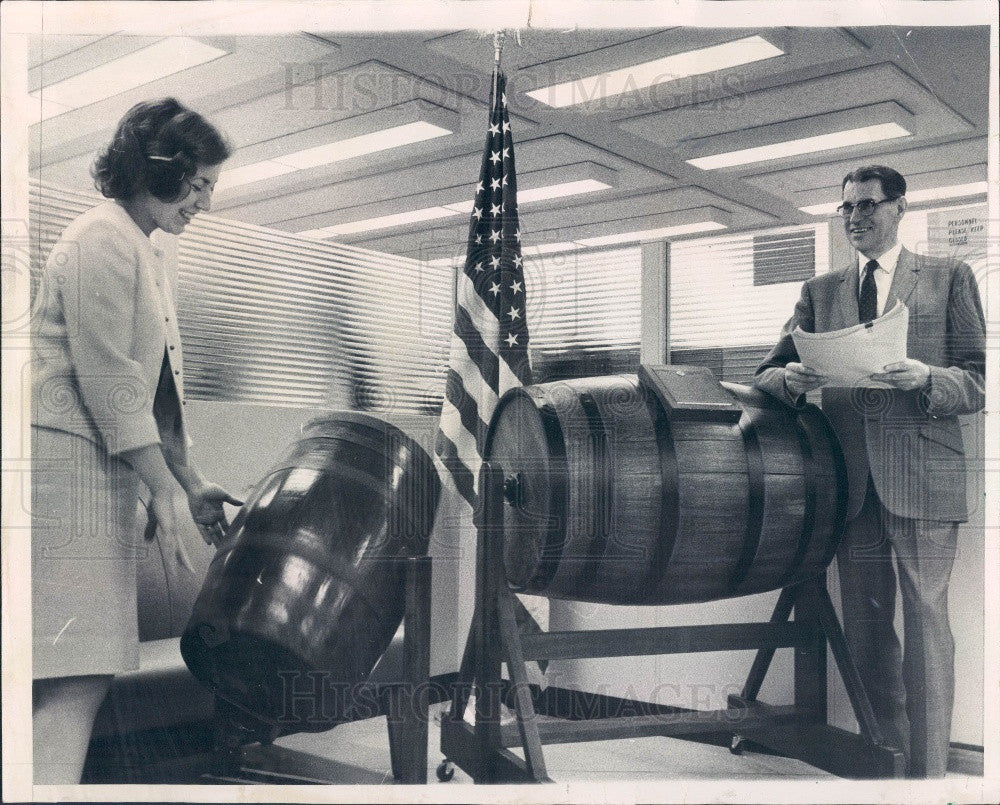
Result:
849,356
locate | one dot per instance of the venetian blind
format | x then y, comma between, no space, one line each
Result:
271,317
583,312
719,316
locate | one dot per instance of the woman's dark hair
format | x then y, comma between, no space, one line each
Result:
892,181
157,145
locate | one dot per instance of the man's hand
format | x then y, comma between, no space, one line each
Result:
905,375
205,502
799,379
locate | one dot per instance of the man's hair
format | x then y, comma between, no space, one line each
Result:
892,181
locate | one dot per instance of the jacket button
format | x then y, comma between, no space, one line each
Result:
177,371
171,346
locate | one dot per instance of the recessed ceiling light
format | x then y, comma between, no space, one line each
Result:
246,174
382,222
804,145
549,248
136,69
653,234
560,190
951,191
658,71
370,143
458,208
916,196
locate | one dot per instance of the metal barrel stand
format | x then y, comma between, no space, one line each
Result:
800,730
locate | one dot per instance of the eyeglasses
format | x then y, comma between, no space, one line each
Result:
865,207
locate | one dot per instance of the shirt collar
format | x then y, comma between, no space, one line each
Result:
886,261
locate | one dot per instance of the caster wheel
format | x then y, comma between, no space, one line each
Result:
445,771
736,745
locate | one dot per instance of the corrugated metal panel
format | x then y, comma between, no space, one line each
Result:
271,317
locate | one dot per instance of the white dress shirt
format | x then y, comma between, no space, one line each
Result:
883,274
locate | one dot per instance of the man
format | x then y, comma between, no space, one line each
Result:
905,462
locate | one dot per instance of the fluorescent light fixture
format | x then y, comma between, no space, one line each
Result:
382,222
549,248
804,145
605,240
951,191
827,209
653,234
658,71
458,208
133,70
370,143
560,190
916,196
256,172
544,193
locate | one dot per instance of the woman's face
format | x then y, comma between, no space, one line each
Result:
174,216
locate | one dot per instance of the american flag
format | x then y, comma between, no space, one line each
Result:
489,346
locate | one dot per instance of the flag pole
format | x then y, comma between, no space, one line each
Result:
498,38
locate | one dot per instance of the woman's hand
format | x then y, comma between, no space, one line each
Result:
205,501
163,507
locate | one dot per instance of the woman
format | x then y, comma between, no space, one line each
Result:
107,413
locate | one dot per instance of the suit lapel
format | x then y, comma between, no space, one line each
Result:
904,279
847,295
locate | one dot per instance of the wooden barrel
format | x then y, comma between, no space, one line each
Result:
610,499
307,588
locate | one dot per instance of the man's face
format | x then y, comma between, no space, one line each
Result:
872,234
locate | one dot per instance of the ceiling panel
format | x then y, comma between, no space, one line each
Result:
64,59
428,183
828,94
802,48
590,216
927,166
276,95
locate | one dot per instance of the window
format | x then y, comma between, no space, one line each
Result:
720,315
274,318
584,312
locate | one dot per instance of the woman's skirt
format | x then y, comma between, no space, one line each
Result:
83,558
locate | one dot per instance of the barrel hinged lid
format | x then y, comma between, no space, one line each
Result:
689,393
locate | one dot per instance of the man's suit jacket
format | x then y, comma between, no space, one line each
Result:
102,322
911,441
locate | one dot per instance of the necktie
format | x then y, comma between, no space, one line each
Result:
868,299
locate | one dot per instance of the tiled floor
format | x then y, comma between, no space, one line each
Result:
358,754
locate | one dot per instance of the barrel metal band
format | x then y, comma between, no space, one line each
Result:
809,510
669,496
755,502
555,536
603,477
842,491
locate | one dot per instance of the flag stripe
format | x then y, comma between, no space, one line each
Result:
460,474
484,358
478,311
464,440
465,405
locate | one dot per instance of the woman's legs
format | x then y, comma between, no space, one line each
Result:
62,719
